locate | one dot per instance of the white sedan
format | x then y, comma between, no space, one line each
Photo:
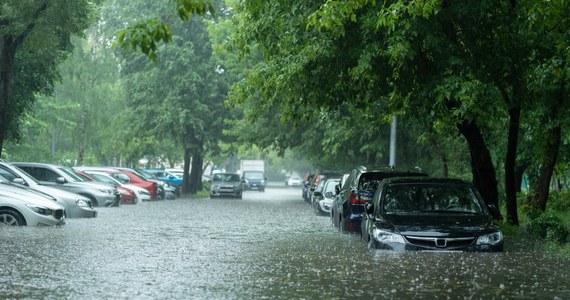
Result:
20,206
294,180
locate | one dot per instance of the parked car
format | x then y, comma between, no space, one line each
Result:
226,184
323,197
358,190
293,180
21,206
131,194
131,178
76,205
167,177
254,180
434,214
306,187
319,178
64,178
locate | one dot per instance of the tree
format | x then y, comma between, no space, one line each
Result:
28,25
180,94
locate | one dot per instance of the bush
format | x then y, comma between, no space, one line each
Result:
559,201
549,227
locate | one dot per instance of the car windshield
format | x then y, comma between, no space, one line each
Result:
429,198
253,175
226,177
329,187
69,172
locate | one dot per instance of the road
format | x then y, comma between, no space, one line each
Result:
267,246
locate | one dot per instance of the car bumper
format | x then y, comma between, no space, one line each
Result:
81,212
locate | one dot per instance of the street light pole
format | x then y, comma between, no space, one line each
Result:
393,142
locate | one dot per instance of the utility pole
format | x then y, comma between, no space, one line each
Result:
393,142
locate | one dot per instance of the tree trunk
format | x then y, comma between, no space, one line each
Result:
7,55
510,166
484,177
186,177
196,173
547,168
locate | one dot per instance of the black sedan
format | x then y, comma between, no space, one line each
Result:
429,214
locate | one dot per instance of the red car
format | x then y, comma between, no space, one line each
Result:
127,195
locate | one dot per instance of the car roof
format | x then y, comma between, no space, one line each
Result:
426,180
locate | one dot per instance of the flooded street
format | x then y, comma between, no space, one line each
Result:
267,246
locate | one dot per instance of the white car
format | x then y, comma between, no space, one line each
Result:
20,206
142,194
76,206
293,180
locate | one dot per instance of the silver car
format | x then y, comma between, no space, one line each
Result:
76,206
20,206
226,184
64,178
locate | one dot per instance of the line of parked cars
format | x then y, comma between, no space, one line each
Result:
41,194
396,209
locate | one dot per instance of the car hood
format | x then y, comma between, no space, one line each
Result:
439,225
60,194
28,196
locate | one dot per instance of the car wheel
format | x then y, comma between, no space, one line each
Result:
11,218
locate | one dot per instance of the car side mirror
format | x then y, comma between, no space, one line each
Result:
60,180
317,194
493,209
20,181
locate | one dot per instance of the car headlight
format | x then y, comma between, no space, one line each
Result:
490,239
215,187
388,237
40,209
82,202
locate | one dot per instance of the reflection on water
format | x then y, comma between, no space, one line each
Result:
268,245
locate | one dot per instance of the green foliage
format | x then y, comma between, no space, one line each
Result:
147,34
559,201
548,226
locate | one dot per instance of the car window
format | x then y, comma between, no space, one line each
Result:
42,174
7,174
69,172
123,178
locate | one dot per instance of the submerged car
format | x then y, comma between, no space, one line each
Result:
323,198
226,185
64,178
430,214
76,206
21,206
358,190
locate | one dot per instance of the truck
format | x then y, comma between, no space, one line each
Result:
253,174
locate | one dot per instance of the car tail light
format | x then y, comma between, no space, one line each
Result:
356,199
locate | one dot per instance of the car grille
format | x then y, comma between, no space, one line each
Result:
226,189
440,243
58,214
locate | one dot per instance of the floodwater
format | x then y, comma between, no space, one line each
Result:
267,246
